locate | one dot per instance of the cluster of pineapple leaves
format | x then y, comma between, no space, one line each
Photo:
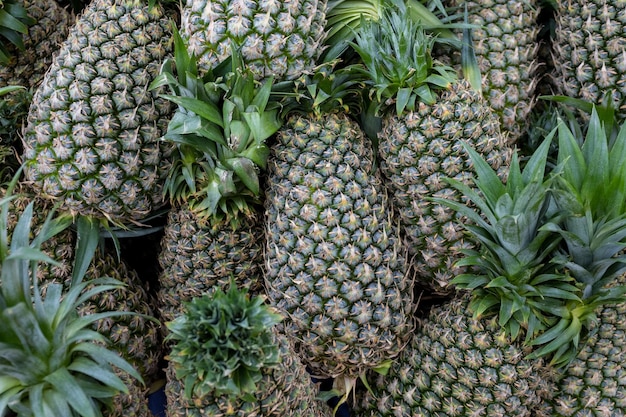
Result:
551,238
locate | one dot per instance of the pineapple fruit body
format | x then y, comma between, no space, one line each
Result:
41,43
335,265
505,43
92,139
589,47
456,365
417,150
198,256
283,391
277,38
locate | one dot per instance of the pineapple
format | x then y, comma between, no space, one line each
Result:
427,111
213,231
228,359
34,381
92,138
589,53
335,266
471,356
277,39
505,44
50,27
135,337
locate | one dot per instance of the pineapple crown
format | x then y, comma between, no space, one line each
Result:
327,88
396,54
14,23
220,128
511,274
223,342
52,362
345,17
550,245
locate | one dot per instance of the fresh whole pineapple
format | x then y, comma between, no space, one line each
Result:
588,47
427,112
92,138
473,355
255,374
214,229
277,39
335,266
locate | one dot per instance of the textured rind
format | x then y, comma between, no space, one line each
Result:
277,38
417,151
335,265
92,138
457,366
197,257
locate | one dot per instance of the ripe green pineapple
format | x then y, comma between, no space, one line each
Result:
589,48
50,27
214,230
79,378
506,48
136,338
335,266
92,139
277,39
427,112
228,359
471,356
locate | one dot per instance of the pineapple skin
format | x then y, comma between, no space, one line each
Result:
41,43
286,390
457,366
196,257
92,138
417,151
335,265
589,46
277,38
506,47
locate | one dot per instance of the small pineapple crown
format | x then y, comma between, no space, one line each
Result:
396,53
14,23
223,342
48,350
328,88
220,128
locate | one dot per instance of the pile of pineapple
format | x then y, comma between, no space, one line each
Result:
420,204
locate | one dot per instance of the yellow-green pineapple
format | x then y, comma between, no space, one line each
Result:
228,359
588,48
504,40
92,138
427,113
278,39
335,266
472,356
214,229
